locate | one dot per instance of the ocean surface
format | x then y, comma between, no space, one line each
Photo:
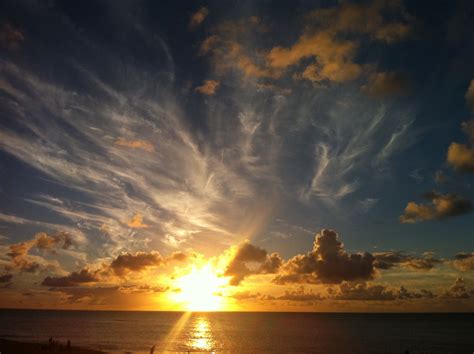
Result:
245,332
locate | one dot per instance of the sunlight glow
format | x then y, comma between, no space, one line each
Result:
199,289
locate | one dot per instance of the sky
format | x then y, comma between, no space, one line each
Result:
264,155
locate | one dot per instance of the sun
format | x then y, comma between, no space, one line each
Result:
199,289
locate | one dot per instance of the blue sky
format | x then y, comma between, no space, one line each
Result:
142,126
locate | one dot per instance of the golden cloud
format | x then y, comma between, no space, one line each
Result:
198,17
208,87
136,222
135,144
441,206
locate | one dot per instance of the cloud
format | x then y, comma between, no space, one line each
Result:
300,294
11,37
442,206
42,241
464,261
381,20
208,87
136,222
388,260
470,96
73,279
457,291
327,263
334,58
387,84
135,144
364,292
135,262
250,260
198,17
5,278
461,157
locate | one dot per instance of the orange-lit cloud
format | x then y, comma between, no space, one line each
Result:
135,144
441,206
136,222
198,17
208,87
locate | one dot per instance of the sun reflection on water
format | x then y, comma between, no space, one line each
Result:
200,337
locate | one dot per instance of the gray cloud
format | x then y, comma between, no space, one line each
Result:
73,279
251,260
327,263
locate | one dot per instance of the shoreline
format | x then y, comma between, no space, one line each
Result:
14,347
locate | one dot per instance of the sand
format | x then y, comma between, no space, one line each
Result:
11,347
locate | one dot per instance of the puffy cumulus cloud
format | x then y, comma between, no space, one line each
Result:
208,87
5,278
461,157
73,279
300,294
136,222
464,261
11,37
250,260
388,260
19,252
135,262
458,290
387,84
198,17
135,144
441,206
364,292
361,291
470,96
327,263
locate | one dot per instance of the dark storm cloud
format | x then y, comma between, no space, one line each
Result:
327,263
442,206
73,279
251,260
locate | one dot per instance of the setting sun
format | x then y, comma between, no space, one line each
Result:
199,288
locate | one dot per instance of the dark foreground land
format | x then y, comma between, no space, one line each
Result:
12,347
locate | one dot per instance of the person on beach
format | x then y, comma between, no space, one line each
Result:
152,350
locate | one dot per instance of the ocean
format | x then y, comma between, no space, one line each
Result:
247,332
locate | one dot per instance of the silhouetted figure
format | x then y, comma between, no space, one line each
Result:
407,351
50,340
68,344
152,350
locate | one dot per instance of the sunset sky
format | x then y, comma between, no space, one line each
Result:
237,155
